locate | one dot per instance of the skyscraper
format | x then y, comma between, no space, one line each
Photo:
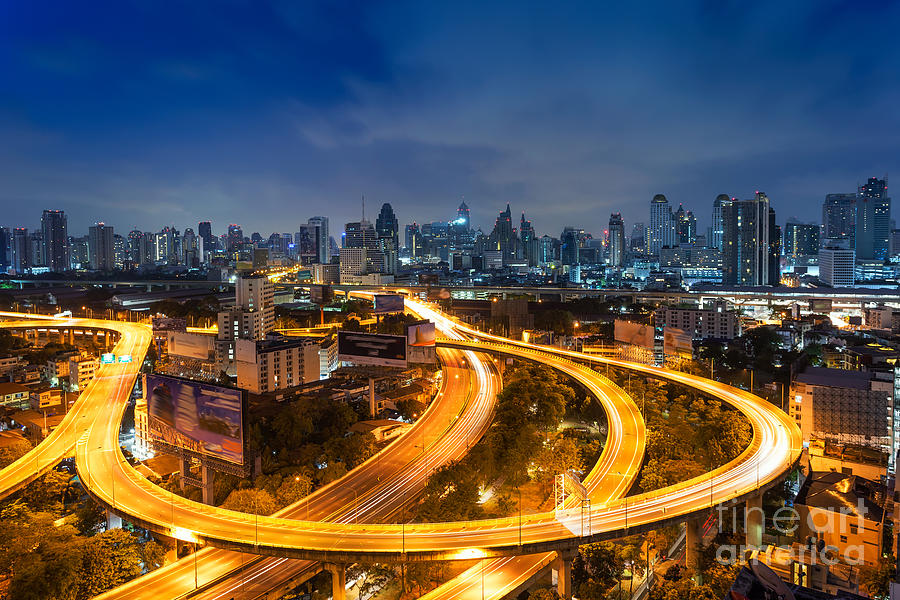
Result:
463,219
528,241
716,231
616,240
800,239
204,230
748,246
413,241
839,218
5,240
662,224
685,226
569,248
873,220
323,244
235,239
55,232
20,250
386,224
101,247
638,241
503,237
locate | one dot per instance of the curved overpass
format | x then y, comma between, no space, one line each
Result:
776,443
111,379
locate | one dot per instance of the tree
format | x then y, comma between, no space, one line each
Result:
877,580
253,501
13,452
451,494
292,489
560,455
109,560
596,568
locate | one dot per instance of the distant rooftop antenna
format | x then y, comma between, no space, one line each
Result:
364,207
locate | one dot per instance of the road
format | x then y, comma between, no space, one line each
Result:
377,489
775,444
90,406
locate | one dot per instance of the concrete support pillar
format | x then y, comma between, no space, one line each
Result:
184,469
338,580
106,340
372,406
209,480
562,573
692,539
113,521
753,521
71,336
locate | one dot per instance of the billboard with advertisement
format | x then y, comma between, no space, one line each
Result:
421,334
677,341
196,417
388,303
191,345
636,334
161,324
372,349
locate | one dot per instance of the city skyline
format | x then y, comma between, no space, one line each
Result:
596,111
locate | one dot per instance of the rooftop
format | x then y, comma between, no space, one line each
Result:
840,492
835,378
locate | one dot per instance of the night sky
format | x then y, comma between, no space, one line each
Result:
152,113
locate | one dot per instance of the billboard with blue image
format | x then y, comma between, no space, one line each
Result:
196,417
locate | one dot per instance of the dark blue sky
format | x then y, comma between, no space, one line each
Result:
155,112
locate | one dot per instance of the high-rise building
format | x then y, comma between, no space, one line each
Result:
685,226
5,241
716,231
800,240
839,218
387,228
256,293
569,246
20,250
101,247
413,241
235,239
463,218
662,224
386,225
55,233
837,261
747,246
503,237
360,234
135,247
37,249
528,241
873,220
323,244
616,240
204,230
306,244
638,242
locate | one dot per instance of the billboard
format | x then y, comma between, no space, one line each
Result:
168,324
191,345
372,349
388,303
196,417
634,333
420,334
677,341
